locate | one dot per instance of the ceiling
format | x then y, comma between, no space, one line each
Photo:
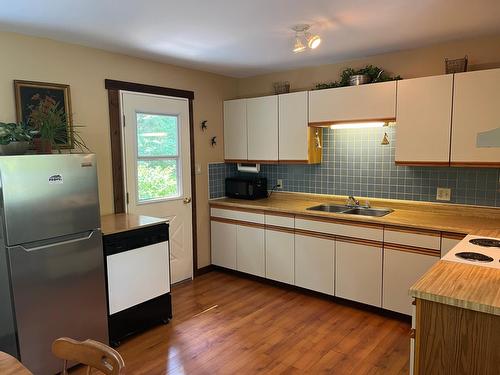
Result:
244,38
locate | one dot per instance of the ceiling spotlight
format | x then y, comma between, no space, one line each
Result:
312,41
298,46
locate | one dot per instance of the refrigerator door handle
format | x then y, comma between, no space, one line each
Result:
35,246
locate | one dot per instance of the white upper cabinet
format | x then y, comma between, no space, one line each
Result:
476,119
375,101
235,129
262,124
424,107
293,126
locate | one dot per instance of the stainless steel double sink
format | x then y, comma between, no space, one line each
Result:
350,210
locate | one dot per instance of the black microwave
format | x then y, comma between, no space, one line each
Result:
246,187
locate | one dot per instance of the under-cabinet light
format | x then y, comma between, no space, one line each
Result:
358,125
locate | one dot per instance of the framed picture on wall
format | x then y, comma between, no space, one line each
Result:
38,101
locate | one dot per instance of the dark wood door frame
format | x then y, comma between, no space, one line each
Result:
115,128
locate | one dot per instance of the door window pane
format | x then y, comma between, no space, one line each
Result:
157,179
157,135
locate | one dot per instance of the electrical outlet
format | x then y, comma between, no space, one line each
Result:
443,194
279,183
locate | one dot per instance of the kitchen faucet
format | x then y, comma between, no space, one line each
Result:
352,202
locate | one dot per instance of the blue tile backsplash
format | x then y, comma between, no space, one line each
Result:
356,163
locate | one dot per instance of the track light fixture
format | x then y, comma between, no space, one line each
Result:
302,34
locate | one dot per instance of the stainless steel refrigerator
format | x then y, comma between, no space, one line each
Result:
52,281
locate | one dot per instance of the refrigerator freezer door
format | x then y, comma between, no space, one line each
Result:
59,290
48,196
7,328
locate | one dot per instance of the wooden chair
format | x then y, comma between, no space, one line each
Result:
93,354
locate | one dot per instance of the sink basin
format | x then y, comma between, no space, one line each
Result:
342,209
377,212
329,208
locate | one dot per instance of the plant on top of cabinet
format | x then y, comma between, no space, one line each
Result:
373,73
15,139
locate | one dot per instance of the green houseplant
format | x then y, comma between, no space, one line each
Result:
15,139
52,131
374,73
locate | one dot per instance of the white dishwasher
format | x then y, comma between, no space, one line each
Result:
138,280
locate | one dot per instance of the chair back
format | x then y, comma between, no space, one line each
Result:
93,354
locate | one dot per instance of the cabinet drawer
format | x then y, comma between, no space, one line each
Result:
411,237
252,217
351,229
286,221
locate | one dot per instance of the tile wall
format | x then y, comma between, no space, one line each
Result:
356,163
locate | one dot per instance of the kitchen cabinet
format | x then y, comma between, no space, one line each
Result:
223,244
280,257
235,129
375,101
262,128
424,107
358,271
475,137
296,139
250,253
402,268
314,263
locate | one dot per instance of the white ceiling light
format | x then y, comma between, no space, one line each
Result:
312,41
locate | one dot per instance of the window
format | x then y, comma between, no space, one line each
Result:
158,161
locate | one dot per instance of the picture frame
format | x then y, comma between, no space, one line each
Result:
30,94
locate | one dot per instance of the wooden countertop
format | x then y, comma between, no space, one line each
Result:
11,366
116,223
462,285
468,286
484,221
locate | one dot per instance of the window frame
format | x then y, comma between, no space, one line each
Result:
177,159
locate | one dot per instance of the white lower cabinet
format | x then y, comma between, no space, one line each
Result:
250,252
314,263
401,270
358,274
280,263
223,242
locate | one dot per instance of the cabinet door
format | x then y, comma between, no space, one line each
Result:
235,129
424,120
262,121
280,247
449,241
401,270
293,127
358,272
375,101
223,241
475,136
314,263
250,253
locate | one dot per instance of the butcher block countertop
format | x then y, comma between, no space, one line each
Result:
471,287
116,223
462,285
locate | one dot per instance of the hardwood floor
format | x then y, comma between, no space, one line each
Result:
225,324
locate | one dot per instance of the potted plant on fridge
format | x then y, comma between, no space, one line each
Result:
52,131
15,139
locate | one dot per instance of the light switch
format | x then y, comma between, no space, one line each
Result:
197,168
443,194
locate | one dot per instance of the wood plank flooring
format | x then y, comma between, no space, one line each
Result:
226,324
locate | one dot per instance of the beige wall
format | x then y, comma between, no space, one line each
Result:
85,69
482,52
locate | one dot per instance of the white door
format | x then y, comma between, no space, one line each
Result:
157,169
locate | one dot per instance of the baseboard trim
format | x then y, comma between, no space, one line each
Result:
204,270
